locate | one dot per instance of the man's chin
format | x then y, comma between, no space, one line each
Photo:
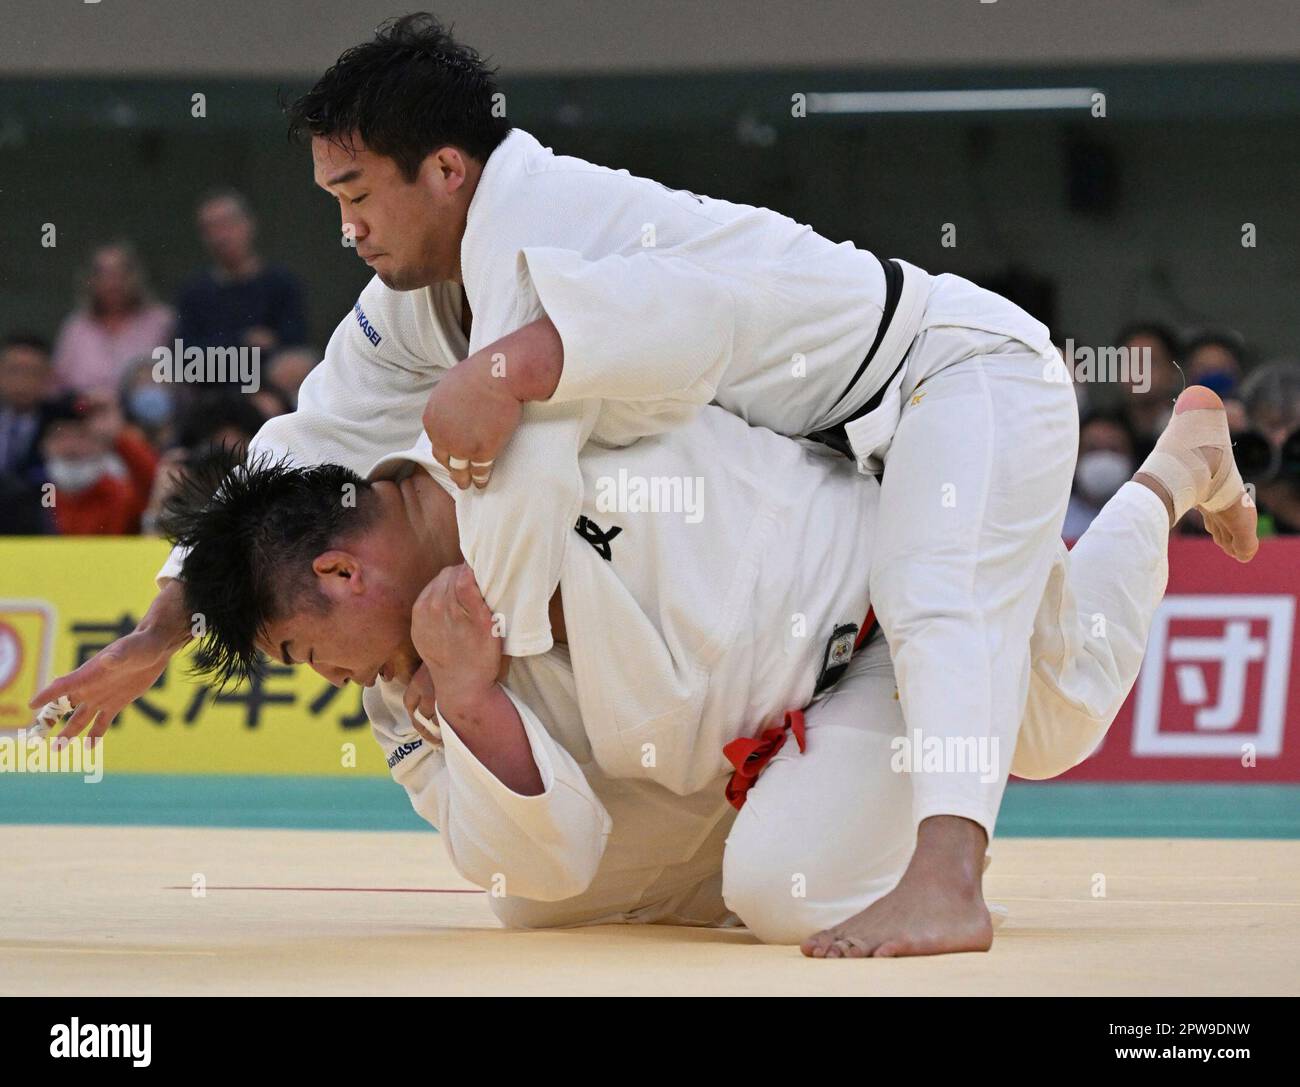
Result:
401,281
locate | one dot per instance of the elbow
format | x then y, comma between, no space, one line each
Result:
563,878
535,877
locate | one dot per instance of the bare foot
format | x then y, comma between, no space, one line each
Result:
918,917
1188,469
937,907
1234,529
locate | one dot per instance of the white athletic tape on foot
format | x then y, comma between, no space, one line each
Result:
1178,463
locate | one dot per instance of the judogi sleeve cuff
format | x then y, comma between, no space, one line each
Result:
171,569
527,645
566,798
466,766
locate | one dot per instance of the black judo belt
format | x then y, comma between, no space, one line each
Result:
837,437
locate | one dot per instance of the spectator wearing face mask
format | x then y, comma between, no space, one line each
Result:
1217,360
102,470
149,404
1106,462
117,321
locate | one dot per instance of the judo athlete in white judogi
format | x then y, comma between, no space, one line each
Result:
681,634
606,307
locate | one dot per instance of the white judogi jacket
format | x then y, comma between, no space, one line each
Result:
686,629
664,300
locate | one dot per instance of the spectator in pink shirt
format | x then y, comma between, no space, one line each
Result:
118,322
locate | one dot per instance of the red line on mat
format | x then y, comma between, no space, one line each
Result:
364,890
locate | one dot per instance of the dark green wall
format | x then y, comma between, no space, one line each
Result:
1197,153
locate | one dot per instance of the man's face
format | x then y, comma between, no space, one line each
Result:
362,634
227,231
1104,434
408,232
71,440
24,372
1275,420
1211,358
289,369
1163,375
112,279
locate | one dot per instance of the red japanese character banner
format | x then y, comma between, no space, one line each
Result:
63,599
1218,697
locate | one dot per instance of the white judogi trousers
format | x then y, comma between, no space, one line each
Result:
975,486
826,832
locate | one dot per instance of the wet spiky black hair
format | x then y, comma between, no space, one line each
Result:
253,531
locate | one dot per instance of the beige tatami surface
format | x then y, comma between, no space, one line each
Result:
112,910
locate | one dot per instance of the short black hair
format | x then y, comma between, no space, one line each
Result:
408,91
211,411
1170,339
29,340
1230,340
1115,418
64,407
233,196
253,531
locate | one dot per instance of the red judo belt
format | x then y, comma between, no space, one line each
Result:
751,754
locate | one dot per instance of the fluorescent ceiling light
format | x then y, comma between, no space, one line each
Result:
951,101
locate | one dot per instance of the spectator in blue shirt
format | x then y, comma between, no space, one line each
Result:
239,300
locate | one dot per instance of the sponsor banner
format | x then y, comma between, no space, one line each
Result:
1218,697
63,599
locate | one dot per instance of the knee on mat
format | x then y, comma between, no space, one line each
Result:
768,904
784,890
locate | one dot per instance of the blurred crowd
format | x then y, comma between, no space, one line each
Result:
1120,420
91,440
88,414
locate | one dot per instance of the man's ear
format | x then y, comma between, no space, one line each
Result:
448,168
339,573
